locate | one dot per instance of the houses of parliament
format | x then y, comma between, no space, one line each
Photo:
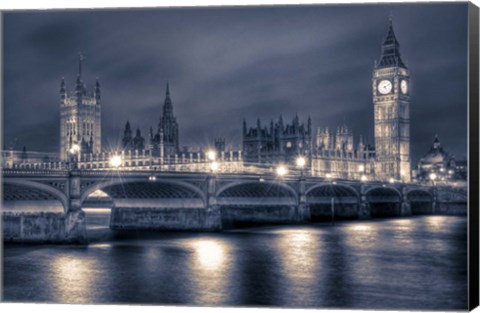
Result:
328,152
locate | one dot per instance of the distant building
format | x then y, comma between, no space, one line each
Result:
276,143
220,145
14,158
439,162
131,143
167,133
391,101
337,156
164,142
80,117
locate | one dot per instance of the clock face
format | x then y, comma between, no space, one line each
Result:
384,87
404,86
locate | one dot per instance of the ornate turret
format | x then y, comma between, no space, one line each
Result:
167,105
391,101
80,118
127,137
138,141
167,133
98,94
63,91
390,50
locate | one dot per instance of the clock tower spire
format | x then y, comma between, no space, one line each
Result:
391,102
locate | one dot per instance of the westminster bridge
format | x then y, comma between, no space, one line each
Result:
201,201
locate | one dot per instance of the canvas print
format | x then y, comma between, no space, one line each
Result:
303,156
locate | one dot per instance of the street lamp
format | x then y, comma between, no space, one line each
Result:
211,155
364,178
332,200
282,170
74,152
301,162
391,180
214,166
74,149
115,161
432,177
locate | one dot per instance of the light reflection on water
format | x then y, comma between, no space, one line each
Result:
209,269
409,263
73,278
299,253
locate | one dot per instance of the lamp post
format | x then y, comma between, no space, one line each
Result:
214,166
115,161
212,156
281,170
332,199
432,177
74,155
301,162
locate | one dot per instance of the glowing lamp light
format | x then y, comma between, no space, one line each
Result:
402,173
361,168
214,166
301,162
282,170
211,155
432,176
363,178
391,180
74,149
328,175
115,161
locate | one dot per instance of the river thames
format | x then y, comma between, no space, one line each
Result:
403,263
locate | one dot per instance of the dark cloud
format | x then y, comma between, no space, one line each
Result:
226,64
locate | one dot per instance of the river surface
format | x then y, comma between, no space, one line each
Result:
402,263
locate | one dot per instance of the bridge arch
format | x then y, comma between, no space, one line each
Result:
257,189
421,201
256,203
338,188
384,201
160,188
32,185
339,200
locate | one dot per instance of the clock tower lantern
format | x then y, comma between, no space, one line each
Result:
391,102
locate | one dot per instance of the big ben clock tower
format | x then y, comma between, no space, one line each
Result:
391,101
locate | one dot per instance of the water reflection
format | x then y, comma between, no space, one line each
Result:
408,263
73,279
209,254
298,251
210,268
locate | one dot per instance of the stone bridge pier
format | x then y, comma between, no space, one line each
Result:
75,223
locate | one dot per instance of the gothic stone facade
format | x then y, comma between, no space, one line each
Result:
278,143
391,100
164,142
337,154
80,117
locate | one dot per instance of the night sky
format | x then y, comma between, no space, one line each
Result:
226,64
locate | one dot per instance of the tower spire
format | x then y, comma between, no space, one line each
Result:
390,56
81,58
